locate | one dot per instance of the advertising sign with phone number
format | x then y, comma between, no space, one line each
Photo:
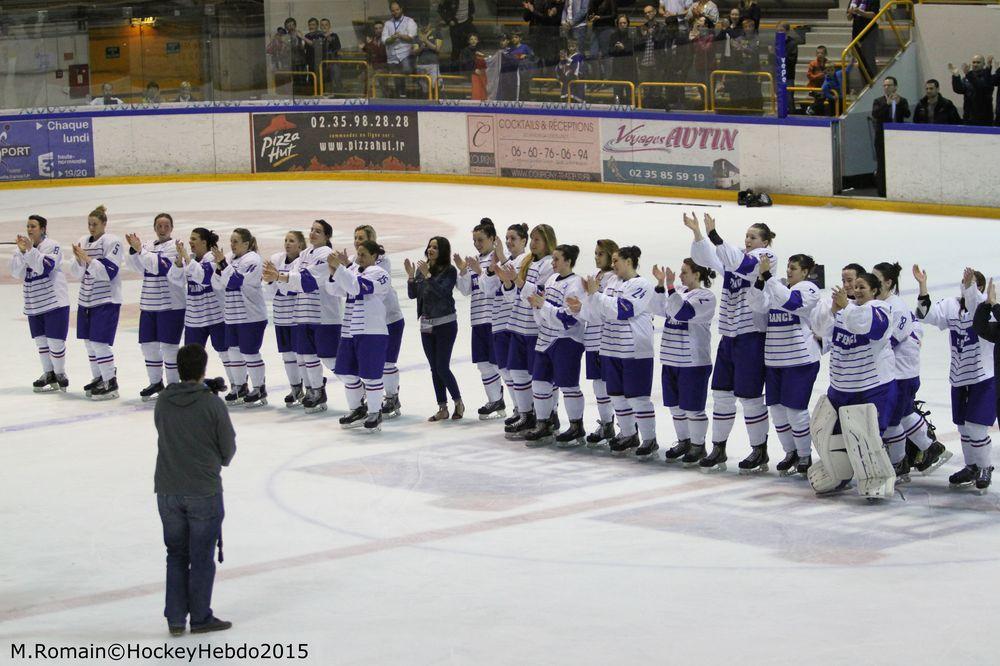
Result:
529,146
657,152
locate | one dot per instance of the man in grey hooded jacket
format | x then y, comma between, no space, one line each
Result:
195,439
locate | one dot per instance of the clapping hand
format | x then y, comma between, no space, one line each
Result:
80,254
474,265
460,263
919,275
709,222
424,269
134,242
269,273
218,255
573,304
536,300
764,265
409,268
659,274
592,285
839,298
991,293
505,273
182,254
968,277
23,243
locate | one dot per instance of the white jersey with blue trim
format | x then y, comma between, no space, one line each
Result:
500,307
100,282
470,284
241,281
554,320
739,272
283,298
859,335
365,291
907,335
44,281
686,341
971,356
153,262
393,312
790,340
624,309
313,305
203,305
592,330
522,320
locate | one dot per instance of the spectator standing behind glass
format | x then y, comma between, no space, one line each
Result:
976,85
195,440
374,50
279,48
749,9
107,97
704,9
703,49
650,56
432,283
458,15
935,109
474,63
543,18
601,17
399,34
297,57
889,108
816,74
678,54
574,20
826,103
331,51
861,12
315,45
676,10
152,93
428,48
569,69
623,59
185,94
746,90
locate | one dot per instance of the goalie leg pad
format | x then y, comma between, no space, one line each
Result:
876,476
833,470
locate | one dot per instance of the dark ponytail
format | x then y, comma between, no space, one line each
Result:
210,237
373,248
632,253
327,230
704,273
765,232
519,229
890,273
246,237
804,261
570,253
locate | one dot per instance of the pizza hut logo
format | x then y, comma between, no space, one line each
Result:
278,141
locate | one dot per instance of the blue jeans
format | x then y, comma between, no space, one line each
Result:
438,344
192,526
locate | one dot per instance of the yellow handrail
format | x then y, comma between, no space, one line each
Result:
734,72
453,77
294,74
852,47
358,63
836,95
631,86
672,84
431,88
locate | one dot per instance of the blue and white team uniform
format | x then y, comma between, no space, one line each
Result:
627,351
361,357
161,308
592,347
245,314
739,360
558,348
861,364
524,329
686,357
99,301
283,300
973,391
395,325
500,310
203,319
318,315
480,311
791,356
46,304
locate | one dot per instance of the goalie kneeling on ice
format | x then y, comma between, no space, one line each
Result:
856,452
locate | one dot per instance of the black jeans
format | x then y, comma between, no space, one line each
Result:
438,344
192,527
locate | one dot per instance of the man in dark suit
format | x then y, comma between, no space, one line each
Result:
890,108
933,108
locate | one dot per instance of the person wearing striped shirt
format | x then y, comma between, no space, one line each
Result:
245,314
283,300
515,240
906,423
532,271
604,275
161,304
99,257
973,391
558,352
470,283
38,262
203,308
361,357
791,360
739,360
318,317
685,354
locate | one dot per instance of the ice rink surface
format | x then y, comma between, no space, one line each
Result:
438,543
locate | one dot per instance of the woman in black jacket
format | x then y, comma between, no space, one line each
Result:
432,282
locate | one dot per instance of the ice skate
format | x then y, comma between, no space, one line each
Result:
493,410
935,456
89,388
574,435
716,460
314,400
355,418
805,462
256,398
542,434
621,445
63,382
512,419
295,396
695,454
105,390
983,478
151,392
756,462
391,407
647,450
525,424
47,383
373,423
902,469
677,452
602,435
964,477
236,395
788,464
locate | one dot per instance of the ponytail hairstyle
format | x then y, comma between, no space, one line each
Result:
549,236
857,268
520,229
890,273
367,228
872,281
608,247
166,215
300,237
807,263
570,253
210,237
704,273
632,253
486,227
101,213
376,250
43,224
327,230
765,232
444,254
246,237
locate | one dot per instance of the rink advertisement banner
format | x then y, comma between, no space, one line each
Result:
657,152
335,141
547,147
41,149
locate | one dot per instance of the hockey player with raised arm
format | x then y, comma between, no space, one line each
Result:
791,359
739,361
161,304
973,390
98,259
685,354
38,262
